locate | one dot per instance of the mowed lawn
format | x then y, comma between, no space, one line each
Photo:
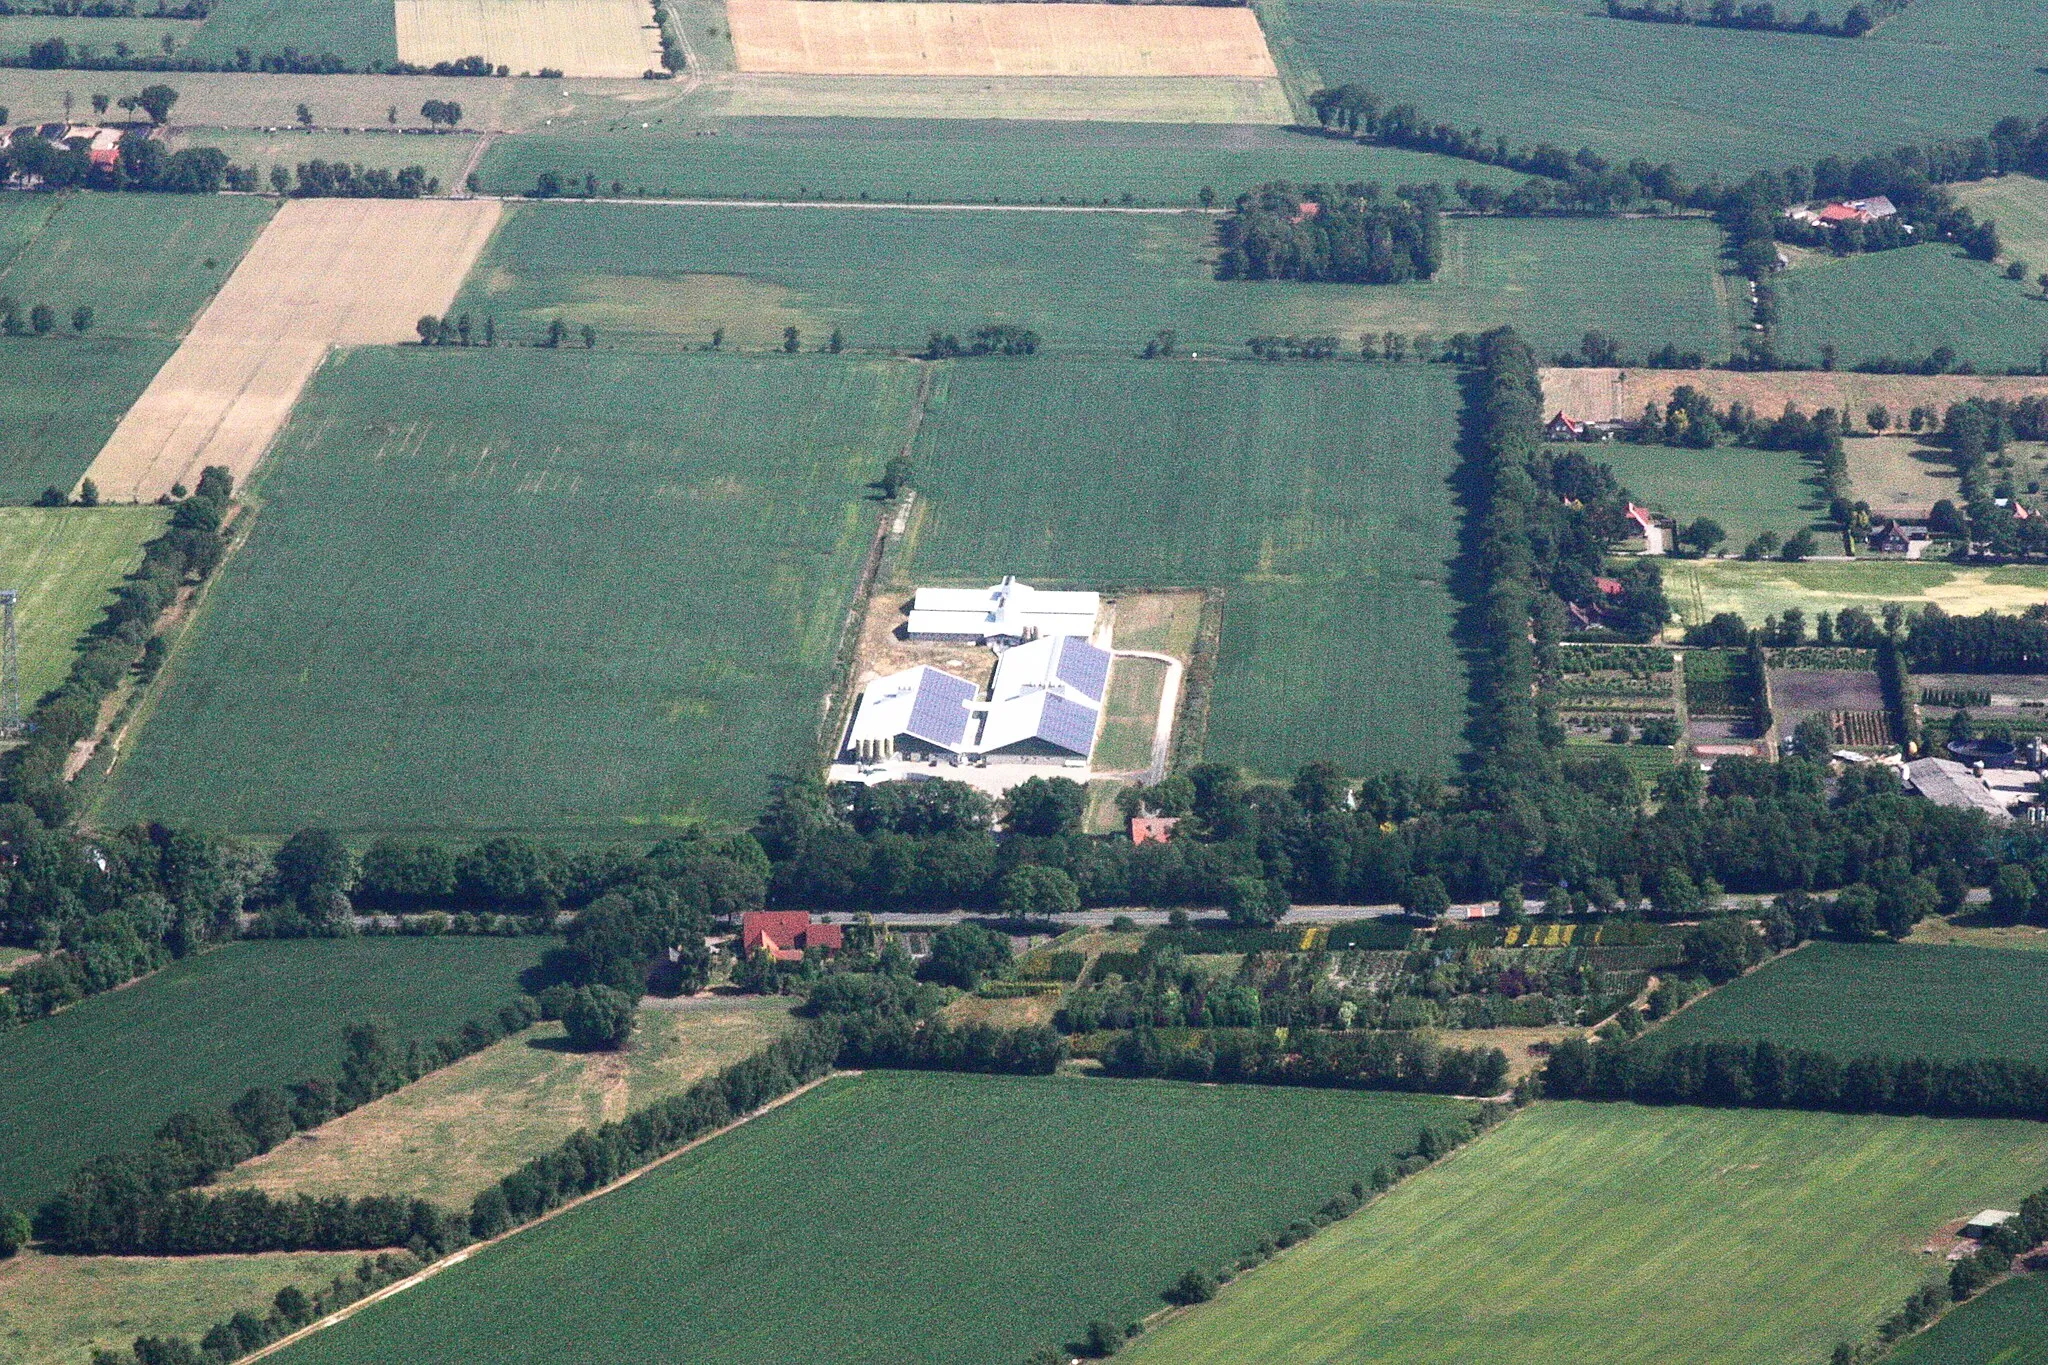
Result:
1711,100
145,264
1905,303
953,160
665,275
448,1135
1747,491
102,1075
1899,999
1318,497
65,562
563,593
901,1217
1698,589
2006,1326
1627,1235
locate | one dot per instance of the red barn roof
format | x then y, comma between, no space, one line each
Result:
1152,829
786,934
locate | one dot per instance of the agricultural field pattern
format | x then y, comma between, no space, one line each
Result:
1017,682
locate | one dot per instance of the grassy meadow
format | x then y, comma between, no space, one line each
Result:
57,1310
666,276
1904,304
1318,497
905,1217
1948,1002
443,157
65,562
951,160
2007,1325
1710,100
1629,1235
1700,588
94,37
1747,491
393,649
103,1074
2019,205
450,1134
360,32
145,264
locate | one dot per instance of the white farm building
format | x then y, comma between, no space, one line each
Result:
1008,612
1044,705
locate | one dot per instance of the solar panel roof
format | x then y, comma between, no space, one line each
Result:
1083,666
1067,724
940,712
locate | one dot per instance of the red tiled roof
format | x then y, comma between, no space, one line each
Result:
786,934
1152,829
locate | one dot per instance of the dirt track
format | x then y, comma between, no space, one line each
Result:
598,38
852,38
325,272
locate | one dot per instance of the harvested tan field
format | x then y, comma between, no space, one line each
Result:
597,38
325,272
1609,394
864,38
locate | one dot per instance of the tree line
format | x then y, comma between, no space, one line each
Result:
1760,17
1344,1061
56,53
1319,232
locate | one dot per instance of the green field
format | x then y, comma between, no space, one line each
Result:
103,1074
2019,205
664,276
951,160
1318,497
65,562
145,264
561,592
1700,588
94,37
2006,1326
1904,304
363,33
1898,999
442,157
1627,1235
901,1217
1747,491
1711,100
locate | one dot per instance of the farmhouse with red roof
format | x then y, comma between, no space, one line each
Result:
786,934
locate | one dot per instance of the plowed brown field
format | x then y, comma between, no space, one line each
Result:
325,272
877,38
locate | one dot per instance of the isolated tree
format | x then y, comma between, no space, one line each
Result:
558,332
1396,344
1426,898
1251,902
69,99
792,340
962,954
42,319
154,100
1800,546
305,117
428,327
391,115
438,112
589,337
88,494
599,1019
895,476
490,329
837,342
81,319
1703,535
1879,417
1036,892
462,329
717,337
280,179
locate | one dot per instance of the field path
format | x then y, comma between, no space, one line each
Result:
1169,702
344,1314
325,272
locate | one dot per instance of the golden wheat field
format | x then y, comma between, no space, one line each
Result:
596,38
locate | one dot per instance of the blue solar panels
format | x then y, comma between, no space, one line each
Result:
1084,667
1067,724
939,714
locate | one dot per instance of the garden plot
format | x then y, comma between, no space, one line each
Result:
325,272
851,38
611,38
1851,700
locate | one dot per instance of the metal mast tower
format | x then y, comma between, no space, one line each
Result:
10,667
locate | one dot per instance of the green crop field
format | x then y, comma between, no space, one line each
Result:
901,1217
2006,1326
951,160
1904,304
662,276
1318,496
65,562
1914,999
562,592
94,37
2019,205
1700,588
362,33
1746,491
145,264
103,1074
1627,1235
1710,100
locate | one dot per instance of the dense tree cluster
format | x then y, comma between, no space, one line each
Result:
1345,1061
1759,17
319,179
1350,235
